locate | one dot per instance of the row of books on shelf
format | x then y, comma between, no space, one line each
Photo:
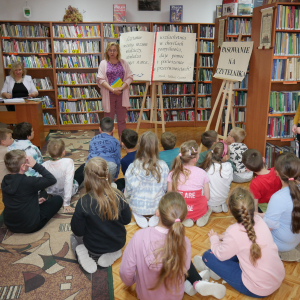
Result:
136,89
280,127
88,61
207,31
205,75
177,89
114,30
284,102
287,43
204,102
48,119
238,113
177,115
206,61
204,88
239,98
13,46
85,118
206,46
288,17
78,92
43,83
136,103
75,78
76,31
203,115
132,117
239,25
286,69
77,46
177,102
47,102
173,27
28,62
80,106
9,30
273,151
241,84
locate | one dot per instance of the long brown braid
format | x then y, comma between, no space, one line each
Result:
241,205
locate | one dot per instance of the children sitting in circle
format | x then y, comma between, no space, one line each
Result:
192,183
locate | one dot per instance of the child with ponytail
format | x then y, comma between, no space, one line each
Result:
220,174
283,212
158,258
99,218
192,183
245,256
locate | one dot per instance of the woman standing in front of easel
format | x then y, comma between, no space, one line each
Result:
114,100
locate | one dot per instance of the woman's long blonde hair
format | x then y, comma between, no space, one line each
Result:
173,210
187,151
108,47
97,185
147,153
14,66
241,205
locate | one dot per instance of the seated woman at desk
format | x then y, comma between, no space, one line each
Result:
18,85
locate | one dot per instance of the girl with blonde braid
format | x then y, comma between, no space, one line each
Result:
245,256
192,183
283,212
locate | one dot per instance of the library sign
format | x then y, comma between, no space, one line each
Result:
234,60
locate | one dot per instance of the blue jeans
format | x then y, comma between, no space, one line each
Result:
229,270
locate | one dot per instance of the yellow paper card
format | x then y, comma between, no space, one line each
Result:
75,66
77,51
59,96
89,110
61,35
43,106
45,66
64,82
73,82
65,51
9,65
37,88
69,122
79,35
65,122
69,96
66,110
83,96
85,121
73,51
64,66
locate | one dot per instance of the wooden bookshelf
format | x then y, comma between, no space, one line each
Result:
103,39
216,83
261,85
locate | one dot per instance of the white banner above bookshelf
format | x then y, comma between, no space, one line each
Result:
234,60
266,28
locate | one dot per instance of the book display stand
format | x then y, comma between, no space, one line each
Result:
153,108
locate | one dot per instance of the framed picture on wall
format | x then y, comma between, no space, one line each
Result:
149,5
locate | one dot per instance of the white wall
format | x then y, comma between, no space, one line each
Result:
194,11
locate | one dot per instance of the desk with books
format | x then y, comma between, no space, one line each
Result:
30,112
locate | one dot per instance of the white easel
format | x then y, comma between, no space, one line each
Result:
153,107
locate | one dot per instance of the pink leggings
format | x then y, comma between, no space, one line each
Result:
117,108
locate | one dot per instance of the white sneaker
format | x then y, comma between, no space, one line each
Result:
216,209
205,288
141,221
189,289
153,221
114,185
107,259
188,222
225,207
205,275
87,263
204,219
201,266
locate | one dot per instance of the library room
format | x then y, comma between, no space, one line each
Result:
108,109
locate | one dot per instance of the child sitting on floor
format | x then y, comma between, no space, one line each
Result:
5,141
245,256
168,141
159,258
129,139
266,182
146,180
99,218
23,134
192,183
24,211
237,148
220,173
63,170
208,138
282,215
106,146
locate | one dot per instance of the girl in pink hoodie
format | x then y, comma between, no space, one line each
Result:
158,258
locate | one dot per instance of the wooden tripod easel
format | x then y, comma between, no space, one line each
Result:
226,90
153,108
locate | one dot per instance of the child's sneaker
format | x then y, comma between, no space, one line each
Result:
188,287
292,255
107,259
225,207
87,263
205,288
201,266
188,223
204,219
216,209
141,221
